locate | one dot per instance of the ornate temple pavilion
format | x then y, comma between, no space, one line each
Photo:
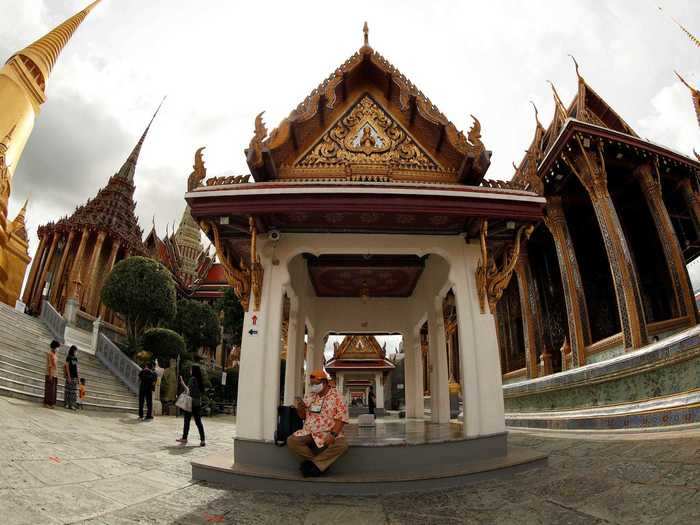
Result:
76,253
366,208
358,363
605,271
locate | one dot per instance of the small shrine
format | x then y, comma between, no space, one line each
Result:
358,363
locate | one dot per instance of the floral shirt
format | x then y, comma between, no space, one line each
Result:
321,415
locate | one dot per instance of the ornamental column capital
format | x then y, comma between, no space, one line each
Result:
589,167
648,178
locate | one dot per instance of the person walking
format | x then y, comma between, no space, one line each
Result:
51,379
72,373
194,387
371,401
147,382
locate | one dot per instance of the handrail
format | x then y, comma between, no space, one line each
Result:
118,363
53,321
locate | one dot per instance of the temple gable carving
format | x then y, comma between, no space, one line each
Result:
366,134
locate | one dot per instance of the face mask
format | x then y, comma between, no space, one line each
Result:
316,388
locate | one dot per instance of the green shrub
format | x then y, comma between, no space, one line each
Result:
163,344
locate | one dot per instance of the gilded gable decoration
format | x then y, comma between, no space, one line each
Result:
367,135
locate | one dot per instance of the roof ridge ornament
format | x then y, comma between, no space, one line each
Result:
578,74
365,31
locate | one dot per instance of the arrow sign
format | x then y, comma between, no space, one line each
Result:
253,332
255,320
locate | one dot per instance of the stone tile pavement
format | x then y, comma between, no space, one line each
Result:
106,468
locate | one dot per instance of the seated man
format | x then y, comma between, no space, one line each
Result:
320,442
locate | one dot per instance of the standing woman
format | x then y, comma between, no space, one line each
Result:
70,369
51,380
194,388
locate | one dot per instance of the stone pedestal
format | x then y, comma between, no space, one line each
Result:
20,306
70,313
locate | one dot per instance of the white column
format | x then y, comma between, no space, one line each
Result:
437,346
379,390
413,381
409,365
340,382
479,359
295,340
258,385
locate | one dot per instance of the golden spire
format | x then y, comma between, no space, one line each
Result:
44,52
18,226
129,168
692,37
365,30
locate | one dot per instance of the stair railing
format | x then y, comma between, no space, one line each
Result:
118,363
53,321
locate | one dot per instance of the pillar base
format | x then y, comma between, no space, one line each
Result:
70,314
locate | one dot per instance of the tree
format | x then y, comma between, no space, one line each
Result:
198,324
142,292
233,315
163,344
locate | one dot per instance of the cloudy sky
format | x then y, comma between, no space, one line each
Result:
221,62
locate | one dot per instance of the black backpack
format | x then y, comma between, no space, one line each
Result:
288,422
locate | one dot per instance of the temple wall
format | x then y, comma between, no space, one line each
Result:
668,367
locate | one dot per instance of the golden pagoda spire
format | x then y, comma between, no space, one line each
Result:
129,168
694,93
44,52
18,226
690,35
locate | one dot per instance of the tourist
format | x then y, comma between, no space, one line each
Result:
51,380
70,369
147,383
320,442
194,387
82,392
371,401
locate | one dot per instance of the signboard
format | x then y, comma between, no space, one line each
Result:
223,378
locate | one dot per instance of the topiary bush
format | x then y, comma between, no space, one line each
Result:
142,292
163,344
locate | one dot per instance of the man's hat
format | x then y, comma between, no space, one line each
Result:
320,374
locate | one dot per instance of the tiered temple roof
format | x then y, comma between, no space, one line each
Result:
183,254
112,209
359,352
378,119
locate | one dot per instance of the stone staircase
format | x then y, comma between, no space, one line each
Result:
24,341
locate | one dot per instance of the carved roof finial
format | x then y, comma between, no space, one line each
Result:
578,74
559,110
691,88
537,114
365,30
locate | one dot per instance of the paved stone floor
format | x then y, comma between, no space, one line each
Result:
105,468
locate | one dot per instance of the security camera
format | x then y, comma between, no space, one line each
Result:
274,235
